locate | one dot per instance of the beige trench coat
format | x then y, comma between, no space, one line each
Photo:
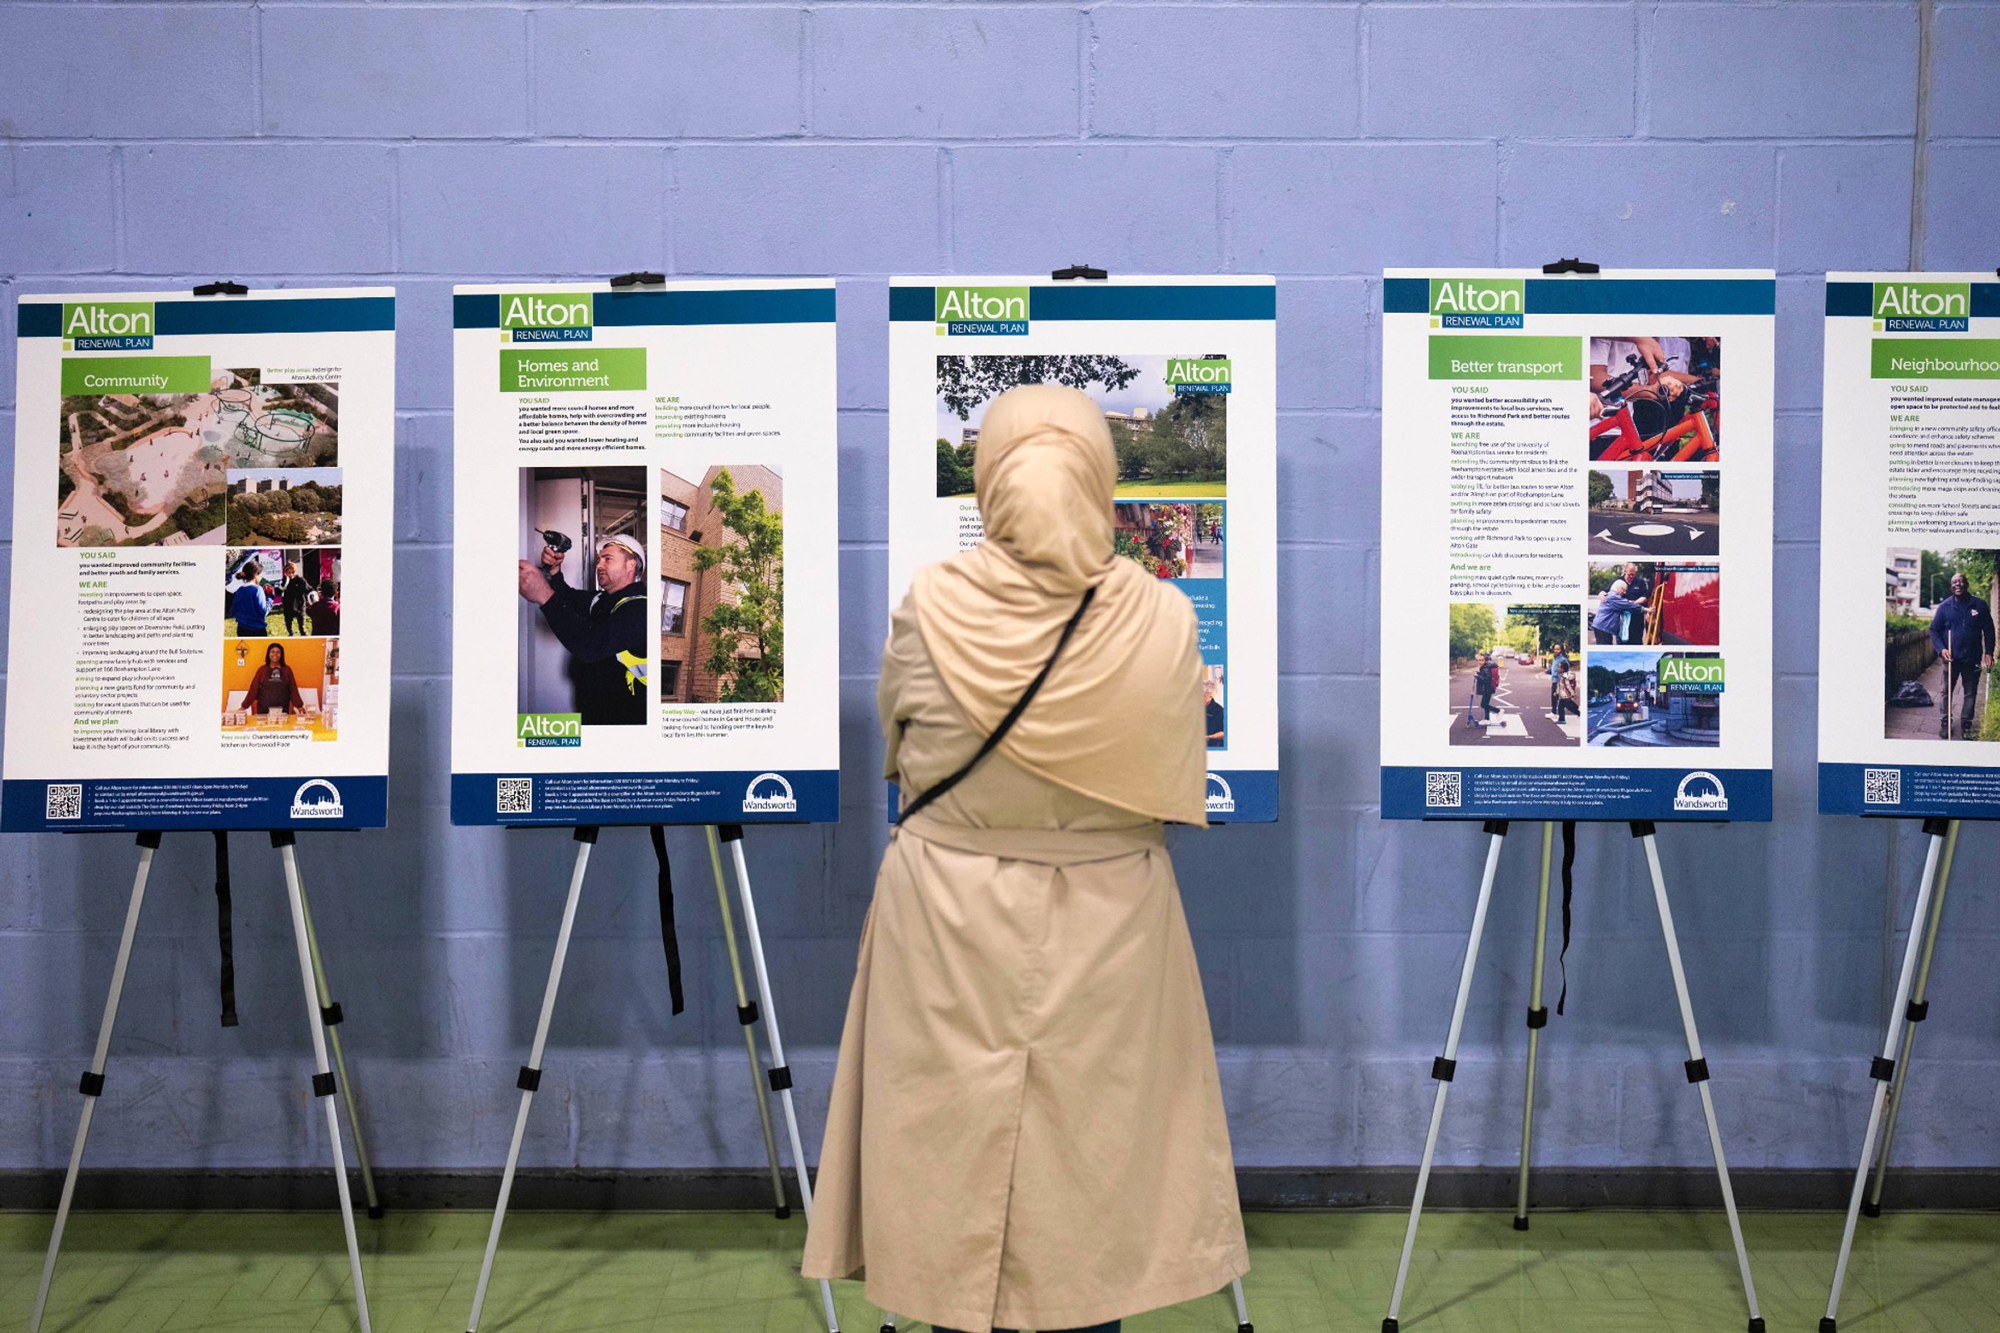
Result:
1026,1128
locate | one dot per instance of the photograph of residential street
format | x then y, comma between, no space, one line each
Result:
1629,706
1647,513
150,469
1168,444
1503,682
722,586
284,506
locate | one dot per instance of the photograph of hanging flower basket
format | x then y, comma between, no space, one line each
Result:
1170,541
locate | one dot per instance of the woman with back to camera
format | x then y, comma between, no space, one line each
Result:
1026,1128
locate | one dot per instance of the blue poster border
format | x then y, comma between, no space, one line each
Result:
106,805
1910,791
720,796
1662,794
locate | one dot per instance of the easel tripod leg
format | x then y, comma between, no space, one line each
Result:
531,1073
1243,1324
1538,1017
330,1015
780,1073
1883,1068
1446,1065
1697,1067
323,1080
1918,1010
746,1018
93,1079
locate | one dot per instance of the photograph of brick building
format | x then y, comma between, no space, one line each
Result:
704,604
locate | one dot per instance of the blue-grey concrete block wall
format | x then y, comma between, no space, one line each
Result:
154,145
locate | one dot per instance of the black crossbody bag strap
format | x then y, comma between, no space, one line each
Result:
1013,714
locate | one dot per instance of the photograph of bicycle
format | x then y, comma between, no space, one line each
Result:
1655,400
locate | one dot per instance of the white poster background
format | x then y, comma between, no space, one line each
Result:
778,377
924,527
47,615
1419,712
1908,463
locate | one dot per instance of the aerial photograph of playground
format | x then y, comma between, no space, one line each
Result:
153,469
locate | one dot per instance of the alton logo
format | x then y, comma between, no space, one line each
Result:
1221,800
769,793
1478,303
546,317
1923,307
317,799
1692,675
537,730
1207,374
1701,790
982,310
98,326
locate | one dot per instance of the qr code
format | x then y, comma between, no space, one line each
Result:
1441,790
516,796
65,800
1881,786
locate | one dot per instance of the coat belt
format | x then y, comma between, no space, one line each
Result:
1043,846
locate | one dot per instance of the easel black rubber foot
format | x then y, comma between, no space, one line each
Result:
1756,1323
782,1212
888,1328
1520,1224
1871,1209
1826,1324
1389,1325
1246,1328
375,1212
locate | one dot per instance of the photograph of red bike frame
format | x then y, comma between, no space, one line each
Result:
1655,400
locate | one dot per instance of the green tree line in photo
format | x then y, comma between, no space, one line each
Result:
746,638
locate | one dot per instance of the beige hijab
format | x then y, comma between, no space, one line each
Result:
1120,716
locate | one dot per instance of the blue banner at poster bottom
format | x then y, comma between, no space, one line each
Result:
788,796
99,805
1693,794
1235,796
1911,791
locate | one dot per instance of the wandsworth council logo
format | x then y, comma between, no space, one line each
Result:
1701,791
769,793
1221,801
317,799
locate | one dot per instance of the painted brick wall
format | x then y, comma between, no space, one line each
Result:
148,145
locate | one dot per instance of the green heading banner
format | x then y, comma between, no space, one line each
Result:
1934,358
602,369
1499,357
135,374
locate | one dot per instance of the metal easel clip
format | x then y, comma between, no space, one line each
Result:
1570,266
640,278
1079,271
222,287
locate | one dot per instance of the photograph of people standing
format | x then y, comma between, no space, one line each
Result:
1962,633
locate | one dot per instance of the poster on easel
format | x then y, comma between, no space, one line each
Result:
1576,544
1910,546
1185,371
645,591
203,521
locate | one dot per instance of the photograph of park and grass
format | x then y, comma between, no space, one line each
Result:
151,469
1169,445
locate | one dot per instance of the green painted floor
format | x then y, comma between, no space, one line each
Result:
1596,1272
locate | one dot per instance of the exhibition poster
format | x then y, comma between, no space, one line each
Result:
645,586
1185,371
203,492
1910,542
1576,545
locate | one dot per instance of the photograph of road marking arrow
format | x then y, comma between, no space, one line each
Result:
1641,511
